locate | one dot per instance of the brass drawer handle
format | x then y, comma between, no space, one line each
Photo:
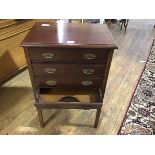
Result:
87,83
50,70
88,71
48,55
89,56
51,82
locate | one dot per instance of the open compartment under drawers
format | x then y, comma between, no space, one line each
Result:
69,98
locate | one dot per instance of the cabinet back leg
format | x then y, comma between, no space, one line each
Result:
97,117
40,115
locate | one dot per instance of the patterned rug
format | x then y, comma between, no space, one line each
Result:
140,116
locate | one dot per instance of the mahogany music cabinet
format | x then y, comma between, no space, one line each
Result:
68,65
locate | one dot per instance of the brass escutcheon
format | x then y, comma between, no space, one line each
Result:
87,83
51,82
89,56
88,71
50,70
48,55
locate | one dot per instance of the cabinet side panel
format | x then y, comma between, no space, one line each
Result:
106,73
29,65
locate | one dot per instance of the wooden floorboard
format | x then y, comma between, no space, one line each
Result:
19,116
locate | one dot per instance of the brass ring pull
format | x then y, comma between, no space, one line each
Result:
50,70
87,83
48,55
51,82
89,56
88,71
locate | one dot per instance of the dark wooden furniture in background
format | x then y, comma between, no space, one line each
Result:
122,23
12,59
75,20
66,60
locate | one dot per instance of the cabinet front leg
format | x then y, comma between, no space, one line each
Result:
40,115
97,117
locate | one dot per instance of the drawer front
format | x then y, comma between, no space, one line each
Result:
46,69
68,82
68,55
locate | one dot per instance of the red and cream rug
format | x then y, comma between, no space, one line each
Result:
140,116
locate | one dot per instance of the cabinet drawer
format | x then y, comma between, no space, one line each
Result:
46,69
68,55
60,81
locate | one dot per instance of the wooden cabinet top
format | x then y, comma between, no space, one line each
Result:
69,35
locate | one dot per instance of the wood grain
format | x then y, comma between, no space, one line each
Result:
69,35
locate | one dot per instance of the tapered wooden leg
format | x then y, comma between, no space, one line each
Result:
40,115
97,117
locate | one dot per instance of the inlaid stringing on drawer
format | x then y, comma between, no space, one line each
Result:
63,81
48,69
68,55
